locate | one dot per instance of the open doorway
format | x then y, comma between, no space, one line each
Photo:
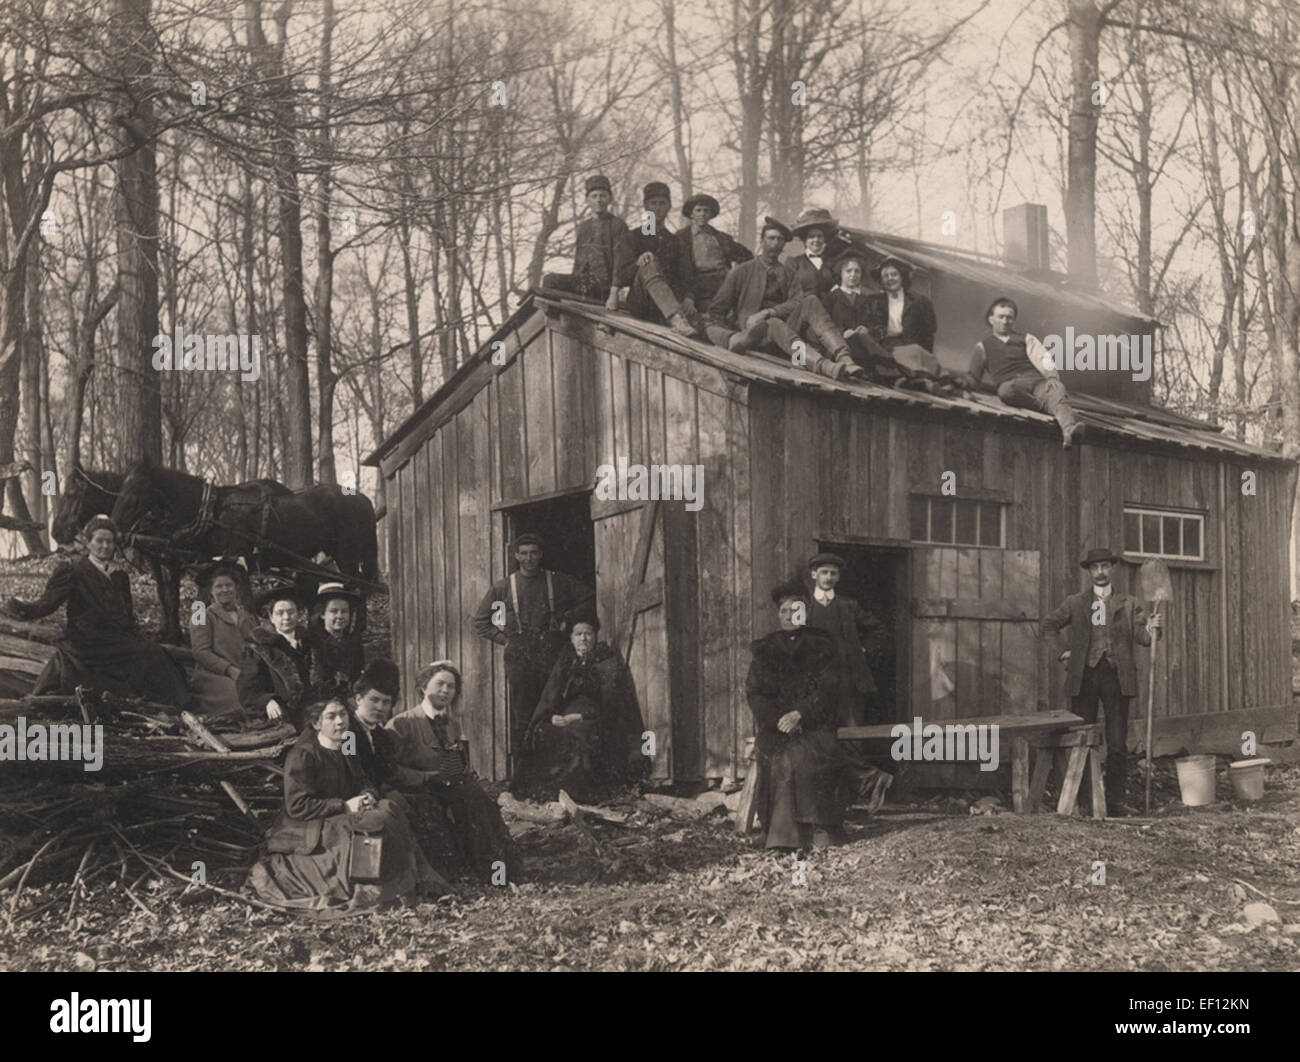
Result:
877,577
565,526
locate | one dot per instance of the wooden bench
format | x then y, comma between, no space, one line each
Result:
1052,733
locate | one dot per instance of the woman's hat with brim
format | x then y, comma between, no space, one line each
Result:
816,218
793,589
327,591
1095,555
384,676
904,268
288,592
701,200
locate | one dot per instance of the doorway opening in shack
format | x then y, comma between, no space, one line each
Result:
565,526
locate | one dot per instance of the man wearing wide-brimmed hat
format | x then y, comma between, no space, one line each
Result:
705,254
760,307
594,247
522,613
812,270
646,265
1101,660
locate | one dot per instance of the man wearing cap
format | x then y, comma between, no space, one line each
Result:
1022,369
812,272
897,316
522,613
846,622
1101,661
594,247
703,253
646,263
761,307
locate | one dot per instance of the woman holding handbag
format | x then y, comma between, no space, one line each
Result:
336,846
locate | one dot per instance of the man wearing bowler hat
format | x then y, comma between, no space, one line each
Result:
646,263
760,306
522,613
705,254
1101,661
594,247
846,622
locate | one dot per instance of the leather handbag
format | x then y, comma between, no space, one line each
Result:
365,858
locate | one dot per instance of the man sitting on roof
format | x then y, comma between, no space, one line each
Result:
593,253
1022,369
761,307
812,270
703,253
647,263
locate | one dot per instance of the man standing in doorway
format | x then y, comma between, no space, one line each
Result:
1101,662
522,613
845,621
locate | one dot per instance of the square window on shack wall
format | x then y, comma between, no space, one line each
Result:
1171,534
956,521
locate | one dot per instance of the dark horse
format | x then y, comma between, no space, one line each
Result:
89,492
85,494
251,518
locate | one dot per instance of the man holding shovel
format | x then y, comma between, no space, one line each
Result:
1101,661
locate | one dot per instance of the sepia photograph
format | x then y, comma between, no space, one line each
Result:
670,486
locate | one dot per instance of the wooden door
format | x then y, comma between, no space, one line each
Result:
633,611
975,639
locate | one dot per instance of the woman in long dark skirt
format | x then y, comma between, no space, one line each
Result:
102,647
429,739
793,691
328,801
586,733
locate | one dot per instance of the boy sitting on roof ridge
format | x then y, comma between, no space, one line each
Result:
594,247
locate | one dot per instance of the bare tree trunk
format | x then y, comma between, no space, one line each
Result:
1081,190
685,175
326,380
296,389
139,394
747,21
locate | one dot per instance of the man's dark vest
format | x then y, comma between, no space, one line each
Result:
1007,360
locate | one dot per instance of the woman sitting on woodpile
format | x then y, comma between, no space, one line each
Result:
793,692
337,654
218,636
429,739
277,686
103,648
336,846
586,733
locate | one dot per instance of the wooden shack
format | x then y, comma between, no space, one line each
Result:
962,521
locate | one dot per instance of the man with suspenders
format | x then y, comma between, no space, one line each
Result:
523,614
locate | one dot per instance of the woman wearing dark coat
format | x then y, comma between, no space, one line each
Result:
585,735
898,316
430,741
849,307
278,685
328,801
338,657
102,646
793,691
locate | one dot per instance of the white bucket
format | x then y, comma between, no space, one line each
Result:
1248,778
1196,780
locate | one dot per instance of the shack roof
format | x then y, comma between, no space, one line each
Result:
1142,423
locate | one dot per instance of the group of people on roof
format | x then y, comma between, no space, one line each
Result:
812,309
